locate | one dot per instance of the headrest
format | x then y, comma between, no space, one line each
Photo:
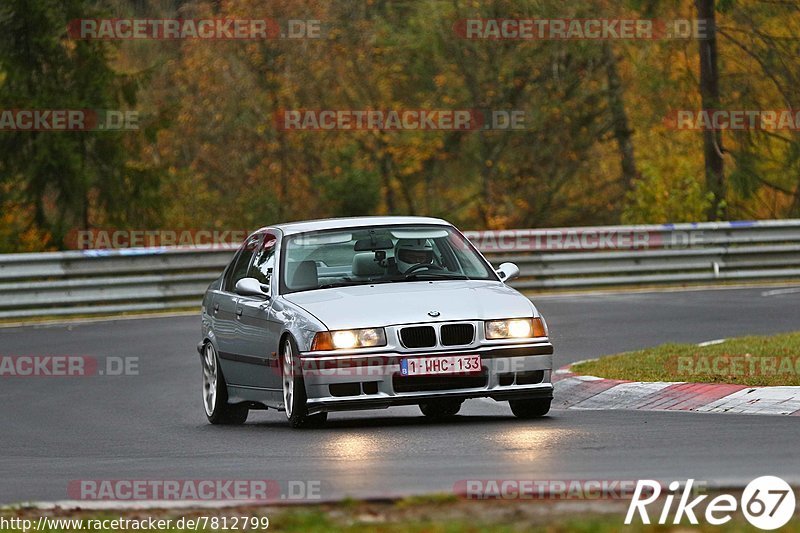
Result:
302,275
364,265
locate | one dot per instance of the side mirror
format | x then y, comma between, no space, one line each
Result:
507,272
250,287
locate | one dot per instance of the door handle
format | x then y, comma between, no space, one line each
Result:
238,312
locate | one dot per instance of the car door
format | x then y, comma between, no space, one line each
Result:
220,310
256,318
229,344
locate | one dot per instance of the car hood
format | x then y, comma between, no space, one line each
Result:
386,304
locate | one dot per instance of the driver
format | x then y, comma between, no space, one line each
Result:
410,252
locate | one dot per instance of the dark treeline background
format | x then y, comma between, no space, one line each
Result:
595,150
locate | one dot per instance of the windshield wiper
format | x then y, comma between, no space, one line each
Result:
339,284
351,283
410,277
431,275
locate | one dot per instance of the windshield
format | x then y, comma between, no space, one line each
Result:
387,254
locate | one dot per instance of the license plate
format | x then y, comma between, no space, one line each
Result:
446,364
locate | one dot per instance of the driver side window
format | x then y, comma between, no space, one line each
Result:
264,262
239,269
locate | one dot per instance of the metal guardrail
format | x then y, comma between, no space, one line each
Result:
116,281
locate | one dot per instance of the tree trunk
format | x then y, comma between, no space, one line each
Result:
386,178
619,119
486,201
709,92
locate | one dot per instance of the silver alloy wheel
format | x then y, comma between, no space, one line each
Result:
210,379
288,378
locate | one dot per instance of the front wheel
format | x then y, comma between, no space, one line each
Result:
532,408
294,390
215,392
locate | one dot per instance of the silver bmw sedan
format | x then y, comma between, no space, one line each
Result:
367,313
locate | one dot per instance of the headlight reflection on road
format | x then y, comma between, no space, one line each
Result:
353,459
352,447
531,443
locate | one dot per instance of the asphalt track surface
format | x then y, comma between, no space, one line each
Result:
151,426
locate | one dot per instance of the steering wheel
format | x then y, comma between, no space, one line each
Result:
420,266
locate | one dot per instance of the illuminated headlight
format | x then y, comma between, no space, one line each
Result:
515,328
346,339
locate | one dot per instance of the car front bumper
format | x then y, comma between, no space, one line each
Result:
358,381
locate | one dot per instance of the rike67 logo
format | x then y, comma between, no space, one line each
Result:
768,502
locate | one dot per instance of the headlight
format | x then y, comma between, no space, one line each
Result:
515,328
345,339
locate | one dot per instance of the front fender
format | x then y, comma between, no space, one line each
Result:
298,323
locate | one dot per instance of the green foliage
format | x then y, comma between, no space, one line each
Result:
355,193
662,196
69,179
752,361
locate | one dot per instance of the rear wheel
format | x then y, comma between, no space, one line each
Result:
215,392
532,408
294,390
441,408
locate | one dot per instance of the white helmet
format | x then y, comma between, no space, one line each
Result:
410,252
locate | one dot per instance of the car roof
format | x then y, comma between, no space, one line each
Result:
291,228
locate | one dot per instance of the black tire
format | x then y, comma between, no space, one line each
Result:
219,412
445,408
533,408
296,406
